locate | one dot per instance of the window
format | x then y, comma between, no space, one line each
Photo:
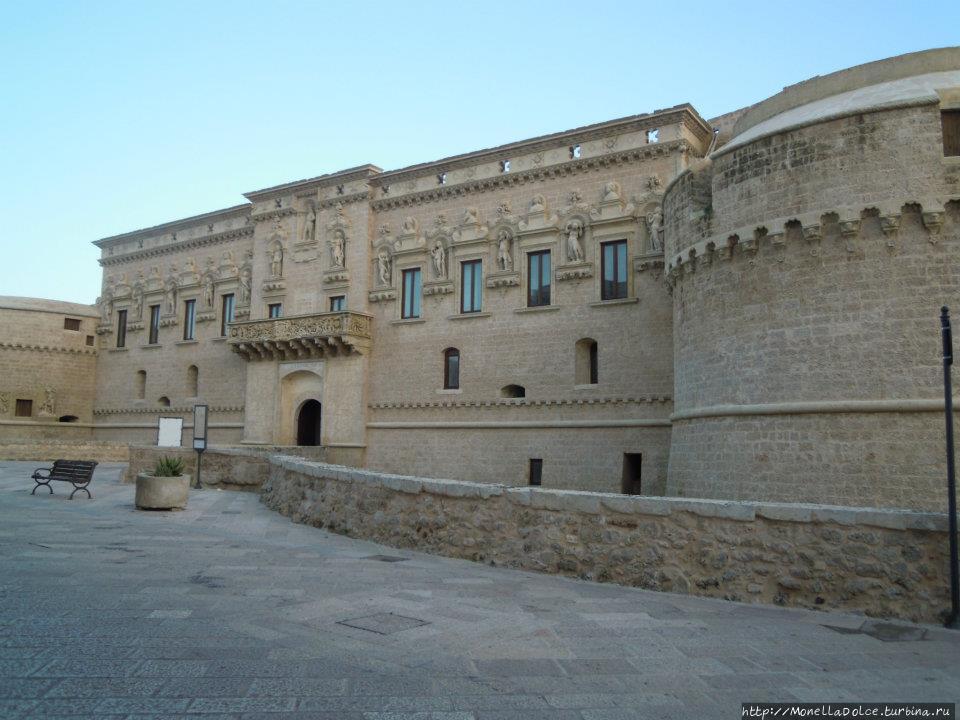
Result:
90,340
535,476
154,336
538,278
193,377
504,166
24,408
451,369
67,418
653,136
141,384
442,179
513,391
71,324
189,319
338,303
121,328
613,285
411,293
275,310
226,313
574,152
471,285
164,401
586,362
950,124
630,483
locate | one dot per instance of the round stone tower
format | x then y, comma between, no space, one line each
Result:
808,258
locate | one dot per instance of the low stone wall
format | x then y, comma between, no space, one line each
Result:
237,468
42,449
885,563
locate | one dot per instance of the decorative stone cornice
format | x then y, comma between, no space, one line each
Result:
332,202
810,228
179,246
573,167
304,336
273,214
527,402
36,347
141,410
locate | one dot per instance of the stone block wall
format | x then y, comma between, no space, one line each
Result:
59,448
885,563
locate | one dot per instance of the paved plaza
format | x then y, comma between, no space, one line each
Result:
227,610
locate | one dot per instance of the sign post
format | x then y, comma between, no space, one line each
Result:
199,436
953,621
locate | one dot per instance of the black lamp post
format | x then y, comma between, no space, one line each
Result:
199,436
953,621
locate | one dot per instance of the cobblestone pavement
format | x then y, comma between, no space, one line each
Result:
227,610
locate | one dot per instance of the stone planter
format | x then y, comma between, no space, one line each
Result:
162,493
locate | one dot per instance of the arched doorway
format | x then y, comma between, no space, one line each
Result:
308,423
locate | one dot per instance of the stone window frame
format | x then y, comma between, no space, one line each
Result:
525,246
153,332
189,328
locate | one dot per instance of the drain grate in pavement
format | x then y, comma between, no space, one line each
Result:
231,512
384,623
885,632
386,558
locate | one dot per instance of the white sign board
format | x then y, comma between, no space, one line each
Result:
169,431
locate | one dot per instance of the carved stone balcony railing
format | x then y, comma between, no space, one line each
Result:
302,336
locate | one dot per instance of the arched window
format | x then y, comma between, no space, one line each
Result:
164,401
586,365
193,376
141,384
451,369
513,391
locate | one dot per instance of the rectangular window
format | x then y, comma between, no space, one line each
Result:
24,408
471,284
154,336
274,310
411,293
90,340
613,284
536,471
226,314
451,369
538,278
189,319
121,328
338,303
71,324
950,123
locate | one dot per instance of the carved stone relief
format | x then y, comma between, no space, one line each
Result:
4,403
48,407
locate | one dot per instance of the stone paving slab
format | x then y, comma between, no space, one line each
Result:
227,610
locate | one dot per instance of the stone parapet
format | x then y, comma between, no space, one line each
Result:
885,563
304,336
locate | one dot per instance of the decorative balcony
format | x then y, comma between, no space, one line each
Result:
303,337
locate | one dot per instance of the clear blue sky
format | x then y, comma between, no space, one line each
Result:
117,116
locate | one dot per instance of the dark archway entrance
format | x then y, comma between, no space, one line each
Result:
308,423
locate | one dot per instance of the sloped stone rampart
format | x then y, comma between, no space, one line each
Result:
884,563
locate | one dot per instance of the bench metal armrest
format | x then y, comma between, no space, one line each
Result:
36,473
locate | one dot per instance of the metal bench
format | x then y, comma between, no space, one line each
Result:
78,473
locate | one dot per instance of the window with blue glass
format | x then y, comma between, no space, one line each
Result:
538,278
471,284
411,293
338,303
189,319
614,270
275,310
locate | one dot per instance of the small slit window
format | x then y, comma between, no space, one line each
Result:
67,418
586,365
441,178
950,124
513,391
451,369
504,166
163,401
535,477
653,136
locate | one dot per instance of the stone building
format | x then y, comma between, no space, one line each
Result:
739,308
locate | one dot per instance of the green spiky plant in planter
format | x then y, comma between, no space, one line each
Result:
166,487
168,467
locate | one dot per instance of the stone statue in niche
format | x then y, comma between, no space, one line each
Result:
611,192
106,306
655,229
138,301
245,283
439,255
190,266
208,291
338,248
383,267
538,204
574,230
170,295
276,260
310,226
409,226
49,405
504,260
4,403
